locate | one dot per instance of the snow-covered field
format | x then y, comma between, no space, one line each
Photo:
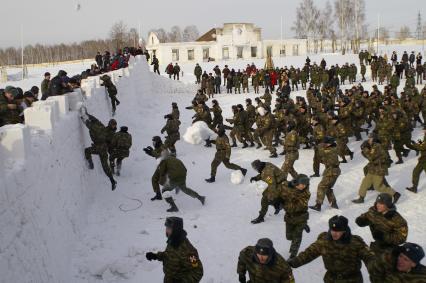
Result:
112,235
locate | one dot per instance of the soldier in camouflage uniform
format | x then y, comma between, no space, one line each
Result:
273,177
172,130
388,228
119,148
236,80
9,107
376,170
240,123
338,131
175,111
267,97
265,130
98,134
223,155
318,134
263,264
421,164
172,176
291,149
341,253
181,262
401,265
328,156
217,114
112,91
401,135
245,79
155,152
363,71
295,197
255,82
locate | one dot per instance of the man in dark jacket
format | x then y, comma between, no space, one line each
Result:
58,85
45,86
112,91
156,64
98,59
180,259
119,148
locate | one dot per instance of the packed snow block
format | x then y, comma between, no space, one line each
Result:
87,86
63,103
42,115
14,142
198,132
126,71
74,100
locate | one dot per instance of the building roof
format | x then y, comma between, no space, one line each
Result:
208,36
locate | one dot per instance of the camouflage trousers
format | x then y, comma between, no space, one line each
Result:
288,165
102,151
293,233
118,155
266,139
170,142
114,102
155,181
218,160
343,278
265,203
325,187
377,182
237,134
420,167
179,187
316,163
342,147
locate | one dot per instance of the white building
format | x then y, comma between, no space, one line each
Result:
232,41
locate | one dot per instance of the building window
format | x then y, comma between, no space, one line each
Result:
191,54
269,51
175,54
225,53
282,51
254,52
296,50
240,50
206,54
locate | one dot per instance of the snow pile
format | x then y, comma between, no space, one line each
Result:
237,177
198,133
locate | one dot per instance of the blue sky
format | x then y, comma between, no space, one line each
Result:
55,21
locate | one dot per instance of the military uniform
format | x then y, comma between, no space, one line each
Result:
8,116
318,133
421,164
112,91
295,204
173,135
276,271
388,230
291,149
342,258
119,149
223,154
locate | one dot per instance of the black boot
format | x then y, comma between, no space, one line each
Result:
307,228
273,155
316,207
113,183
334,205
412,189
315,175
396,197
211,180
258,220
173,207
351,154
258,146
405,152
234,144
400,161
251,144
243,171
245,145
358,200
90,164
202,199
344,161
157,197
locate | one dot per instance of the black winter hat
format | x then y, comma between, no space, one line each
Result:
413,252
62,73
156,139
301,179
338,223
35,89
124,129
264,246
385,199
176,223
258,165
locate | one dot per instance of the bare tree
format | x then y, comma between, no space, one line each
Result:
190,33
403,33
305,25
161,34
175,34
325,23
119,34
383,34
133,37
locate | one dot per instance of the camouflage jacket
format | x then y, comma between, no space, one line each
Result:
388,230
420,146
121,142
181,263
383,270
274,177
328,156
291,142
223,148
318,133
295,203
378,162
171,128
172,169
341,258
276,271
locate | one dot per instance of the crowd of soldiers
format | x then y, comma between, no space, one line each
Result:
324,122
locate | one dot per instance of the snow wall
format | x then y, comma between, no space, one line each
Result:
45,189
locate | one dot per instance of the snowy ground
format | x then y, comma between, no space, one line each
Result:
112,246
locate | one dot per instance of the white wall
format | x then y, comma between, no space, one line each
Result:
45,188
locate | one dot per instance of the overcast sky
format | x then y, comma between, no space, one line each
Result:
56,21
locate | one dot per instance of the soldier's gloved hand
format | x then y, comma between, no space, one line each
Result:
242,278
378,235
253,179
151,256
362,222
148,150
291,262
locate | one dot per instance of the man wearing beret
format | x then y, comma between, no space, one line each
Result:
341,252
263,264
402,265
